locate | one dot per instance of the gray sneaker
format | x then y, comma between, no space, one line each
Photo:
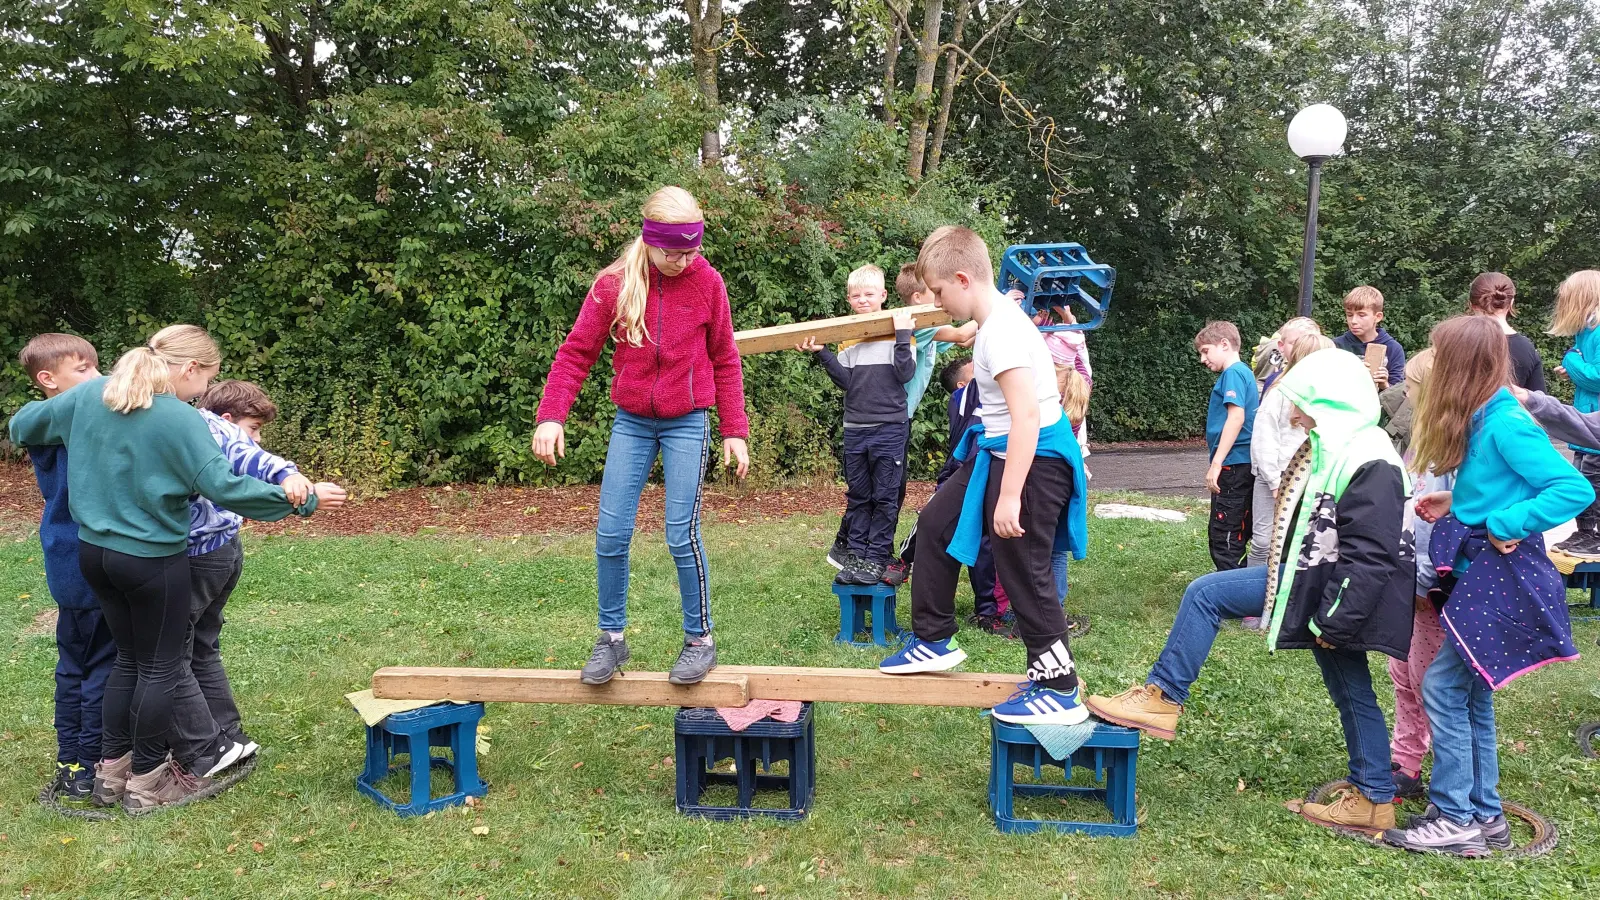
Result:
111,779
603,663
1436,834
1496,832
697,658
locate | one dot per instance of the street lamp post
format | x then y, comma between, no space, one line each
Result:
1316,133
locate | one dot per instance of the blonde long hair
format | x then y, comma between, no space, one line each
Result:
1471,361
670,204
143,372
1577,304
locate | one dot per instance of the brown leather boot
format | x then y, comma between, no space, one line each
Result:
111,779
1142,706
1352,811
165,785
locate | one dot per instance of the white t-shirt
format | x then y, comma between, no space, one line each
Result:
1008,340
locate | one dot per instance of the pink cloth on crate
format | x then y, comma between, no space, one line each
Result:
741,717
1412,737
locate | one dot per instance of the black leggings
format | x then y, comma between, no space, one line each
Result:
146,606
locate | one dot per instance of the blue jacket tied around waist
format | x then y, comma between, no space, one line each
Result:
1054,441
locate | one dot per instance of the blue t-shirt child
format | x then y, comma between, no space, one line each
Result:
1236,386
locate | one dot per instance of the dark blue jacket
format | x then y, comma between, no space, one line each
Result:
1394,354
963,415
58,532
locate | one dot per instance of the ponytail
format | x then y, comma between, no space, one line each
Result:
144,372
670,204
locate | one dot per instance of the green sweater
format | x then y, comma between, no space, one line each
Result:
132,475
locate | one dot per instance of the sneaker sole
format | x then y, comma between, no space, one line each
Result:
591,680
679,680
1076,716
939,664
1165,734
835,563
1469,853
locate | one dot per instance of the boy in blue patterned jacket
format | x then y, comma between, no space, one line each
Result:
235,411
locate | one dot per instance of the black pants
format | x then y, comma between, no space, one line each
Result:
212,578
905,553
85,656
874,475
1588,465
1229,527
1023,565
146,606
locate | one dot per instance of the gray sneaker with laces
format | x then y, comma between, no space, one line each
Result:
1496,832
695,660
608,656
1436,834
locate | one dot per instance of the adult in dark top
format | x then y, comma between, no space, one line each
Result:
1495,295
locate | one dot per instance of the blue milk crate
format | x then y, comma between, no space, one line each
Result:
1585,577
1112,753
1058,275
856,601
415,734
703,739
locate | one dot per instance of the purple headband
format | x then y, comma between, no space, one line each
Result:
673,235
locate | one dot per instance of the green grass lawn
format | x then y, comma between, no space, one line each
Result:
581,803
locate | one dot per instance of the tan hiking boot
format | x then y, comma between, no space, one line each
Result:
1350,810
1142,706
165,785
111,779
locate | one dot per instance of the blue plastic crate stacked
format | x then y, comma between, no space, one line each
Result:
1052,275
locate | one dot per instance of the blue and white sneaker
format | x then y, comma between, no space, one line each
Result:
1035,705
919,655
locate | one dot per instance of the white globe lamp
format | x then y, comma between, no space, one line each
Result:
1315,134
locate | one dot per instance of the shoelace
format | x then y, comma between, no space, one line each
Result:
185,779
1025,690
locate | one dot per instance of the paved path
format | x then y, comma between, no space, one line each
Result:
1177,471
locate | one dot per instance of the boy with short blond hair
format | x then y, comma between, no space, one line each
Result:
1363,310
86,653
1021,482
1230,415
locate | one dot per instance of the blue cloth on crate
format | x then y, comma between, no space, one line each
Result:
58,533
1507,614
1054,441
1061,741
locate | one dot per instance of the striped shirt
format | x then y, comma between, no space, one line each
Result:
211,526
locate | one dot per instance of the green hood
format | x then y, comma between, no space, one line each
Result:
1335,389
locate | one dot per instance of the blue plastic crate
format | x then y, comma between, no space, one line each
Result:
859,601
1112,753
415,734
1058,275
703,739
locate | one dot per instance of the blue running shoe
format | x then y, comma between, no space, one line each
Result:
1035,705
919,655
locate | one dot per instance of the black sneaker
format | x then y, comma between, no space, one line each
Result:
896,573
1496,832
607,656
991,624
867,573
251,748
1406,787
697,658
1580,543
1437,834
839,554
72,782
850,571
222,753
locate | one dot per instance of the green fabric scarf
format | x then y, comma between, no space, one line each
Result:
1335,389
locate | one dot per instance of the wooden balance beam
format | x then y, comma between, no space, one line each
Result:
725,686
832,331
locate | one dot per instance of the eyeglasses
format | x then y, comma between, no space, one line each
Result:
679,255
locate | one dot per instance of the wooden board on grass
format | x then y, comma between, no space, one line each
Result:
725,686
832,331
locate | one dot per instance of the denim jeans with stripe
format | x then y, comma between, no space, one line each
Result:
682,444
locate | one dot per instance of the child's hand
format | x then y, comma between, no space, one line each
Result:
1065,313
297,488
809,345
549,442
1008,517
1562,371
736,449
1519,392
330,495
1502,545
1433,507
1422,606
1015,295
1325,645
903,321
1214,479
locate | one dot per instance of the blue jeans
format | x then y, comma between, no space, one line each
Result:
1230,594
682,444
1366,734
1466,763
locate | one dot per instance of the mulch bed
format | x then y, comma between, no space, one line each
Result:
498,510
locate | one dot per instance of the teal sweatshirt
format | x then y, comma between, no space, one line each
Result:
1512,480
1582,363
132,475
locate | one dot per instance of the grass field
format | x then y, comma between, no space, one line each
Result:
581,803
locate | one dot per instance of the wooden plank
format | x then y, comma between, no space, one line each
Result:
832,331
555,686
725,686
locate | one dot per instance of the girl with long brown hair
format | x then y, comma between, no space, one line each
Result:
1504,604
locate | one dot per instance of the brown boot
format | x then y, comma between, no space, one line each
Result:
111,779
1350,810
165,785
1141,706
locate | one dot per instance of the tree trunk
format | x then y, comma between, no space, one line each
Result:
952,79
891,58
922,90
705,25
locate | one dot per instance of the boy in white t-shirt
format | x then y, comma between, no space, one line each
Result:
1027,492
